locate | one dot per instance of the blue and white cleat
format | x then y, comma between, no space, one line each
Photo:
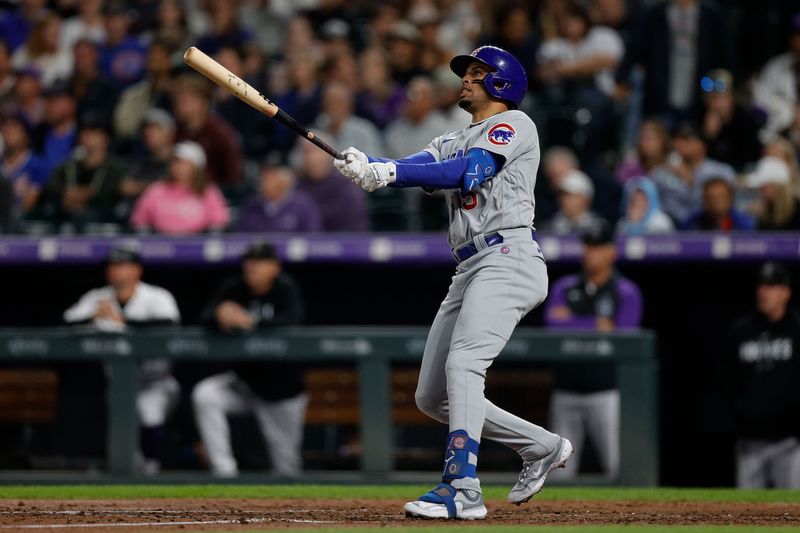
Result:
447,502
534,473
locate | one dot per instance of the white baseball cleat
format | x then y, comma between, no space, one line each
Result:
534,473
445,502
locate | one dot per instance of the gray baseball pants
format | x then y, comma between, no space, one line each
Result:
767,463
489,294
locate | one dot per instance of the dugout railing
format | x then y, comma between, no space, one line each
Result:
372,349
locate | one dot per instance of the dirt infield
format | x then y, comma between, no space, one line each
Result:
204,514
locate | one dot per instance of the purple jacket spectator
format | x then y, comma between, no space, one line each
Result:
343,206
297,213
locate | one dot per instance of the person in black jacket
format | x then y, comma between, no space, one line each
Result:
763,372
677,43
274,392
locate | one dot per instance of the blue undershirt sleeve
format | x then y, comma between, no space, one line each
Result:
466,172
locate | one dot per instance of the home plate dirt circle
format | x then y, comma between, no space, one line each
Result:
230,514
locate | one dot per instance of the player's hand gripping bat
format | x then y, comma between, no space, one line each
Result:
215,72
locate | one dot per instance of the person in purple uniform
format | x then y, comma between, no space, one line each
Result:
585,403
280,207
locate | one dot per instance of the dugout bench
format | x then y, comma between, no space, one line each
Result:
372,349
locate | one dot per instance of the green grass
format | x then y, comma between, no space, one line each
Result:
29,492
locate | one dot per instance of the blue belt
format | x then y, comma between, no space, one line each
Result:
465,251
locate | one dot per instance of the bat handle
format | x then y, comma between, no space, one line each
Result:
283,117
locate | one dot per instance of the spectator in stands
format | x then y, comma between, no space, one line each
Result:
252,128
778,209
642,214
404,52
718,212
337,118
152,91
28,99
652,152
86,187
122,55
574,201
585,402
19,166
158,138
512,32
775,88
225,30
557,162
60,127
128,303
729,129
267,22
619,15
96,94
341,67
280,207
7,222
782,149
7,79
184,201
682,187
577,69
676,44
380,99
428,19
581,52
44,52
342,206
192,104
760,375
169,26
262,297
303,99
88,24
420,120
16,24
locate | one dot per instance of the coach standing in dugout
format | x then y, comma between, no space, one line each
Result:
586,401
261,297
762,374
128,302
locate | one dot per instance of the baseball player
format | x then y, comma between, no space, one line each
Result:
487,172
128,302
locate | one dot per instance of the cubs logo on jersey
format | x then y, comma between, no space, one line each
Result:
501,134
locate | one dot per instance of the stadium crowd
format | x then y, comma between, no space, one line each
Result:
649,114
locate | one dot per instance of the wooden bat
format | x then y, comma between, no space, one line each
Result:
232,83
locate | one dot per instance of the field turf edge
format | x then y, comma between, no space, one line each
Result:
369,492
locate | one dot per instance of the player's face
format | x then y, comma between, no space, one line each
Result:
598,257
473,96
772,299
259,274
123,274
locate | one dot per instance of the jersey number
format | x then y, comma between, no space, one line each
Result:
469,201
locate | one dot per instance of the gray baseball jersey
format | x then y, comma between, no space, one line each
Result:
491,291
506,200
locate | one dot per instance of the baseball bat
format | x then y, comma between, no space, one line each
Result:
232,83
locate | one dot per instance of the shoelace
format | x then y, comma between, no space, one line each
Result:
524,474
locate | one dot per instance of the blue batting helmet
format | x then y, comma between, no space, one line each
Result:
507,80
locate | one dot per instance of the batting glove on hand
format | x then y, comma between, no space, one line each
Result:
377,175
352,166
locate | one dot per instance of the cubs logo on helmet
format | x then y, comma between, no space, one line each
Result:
501,134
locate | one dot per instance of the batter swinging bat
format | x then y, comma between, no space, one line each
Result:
215,72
